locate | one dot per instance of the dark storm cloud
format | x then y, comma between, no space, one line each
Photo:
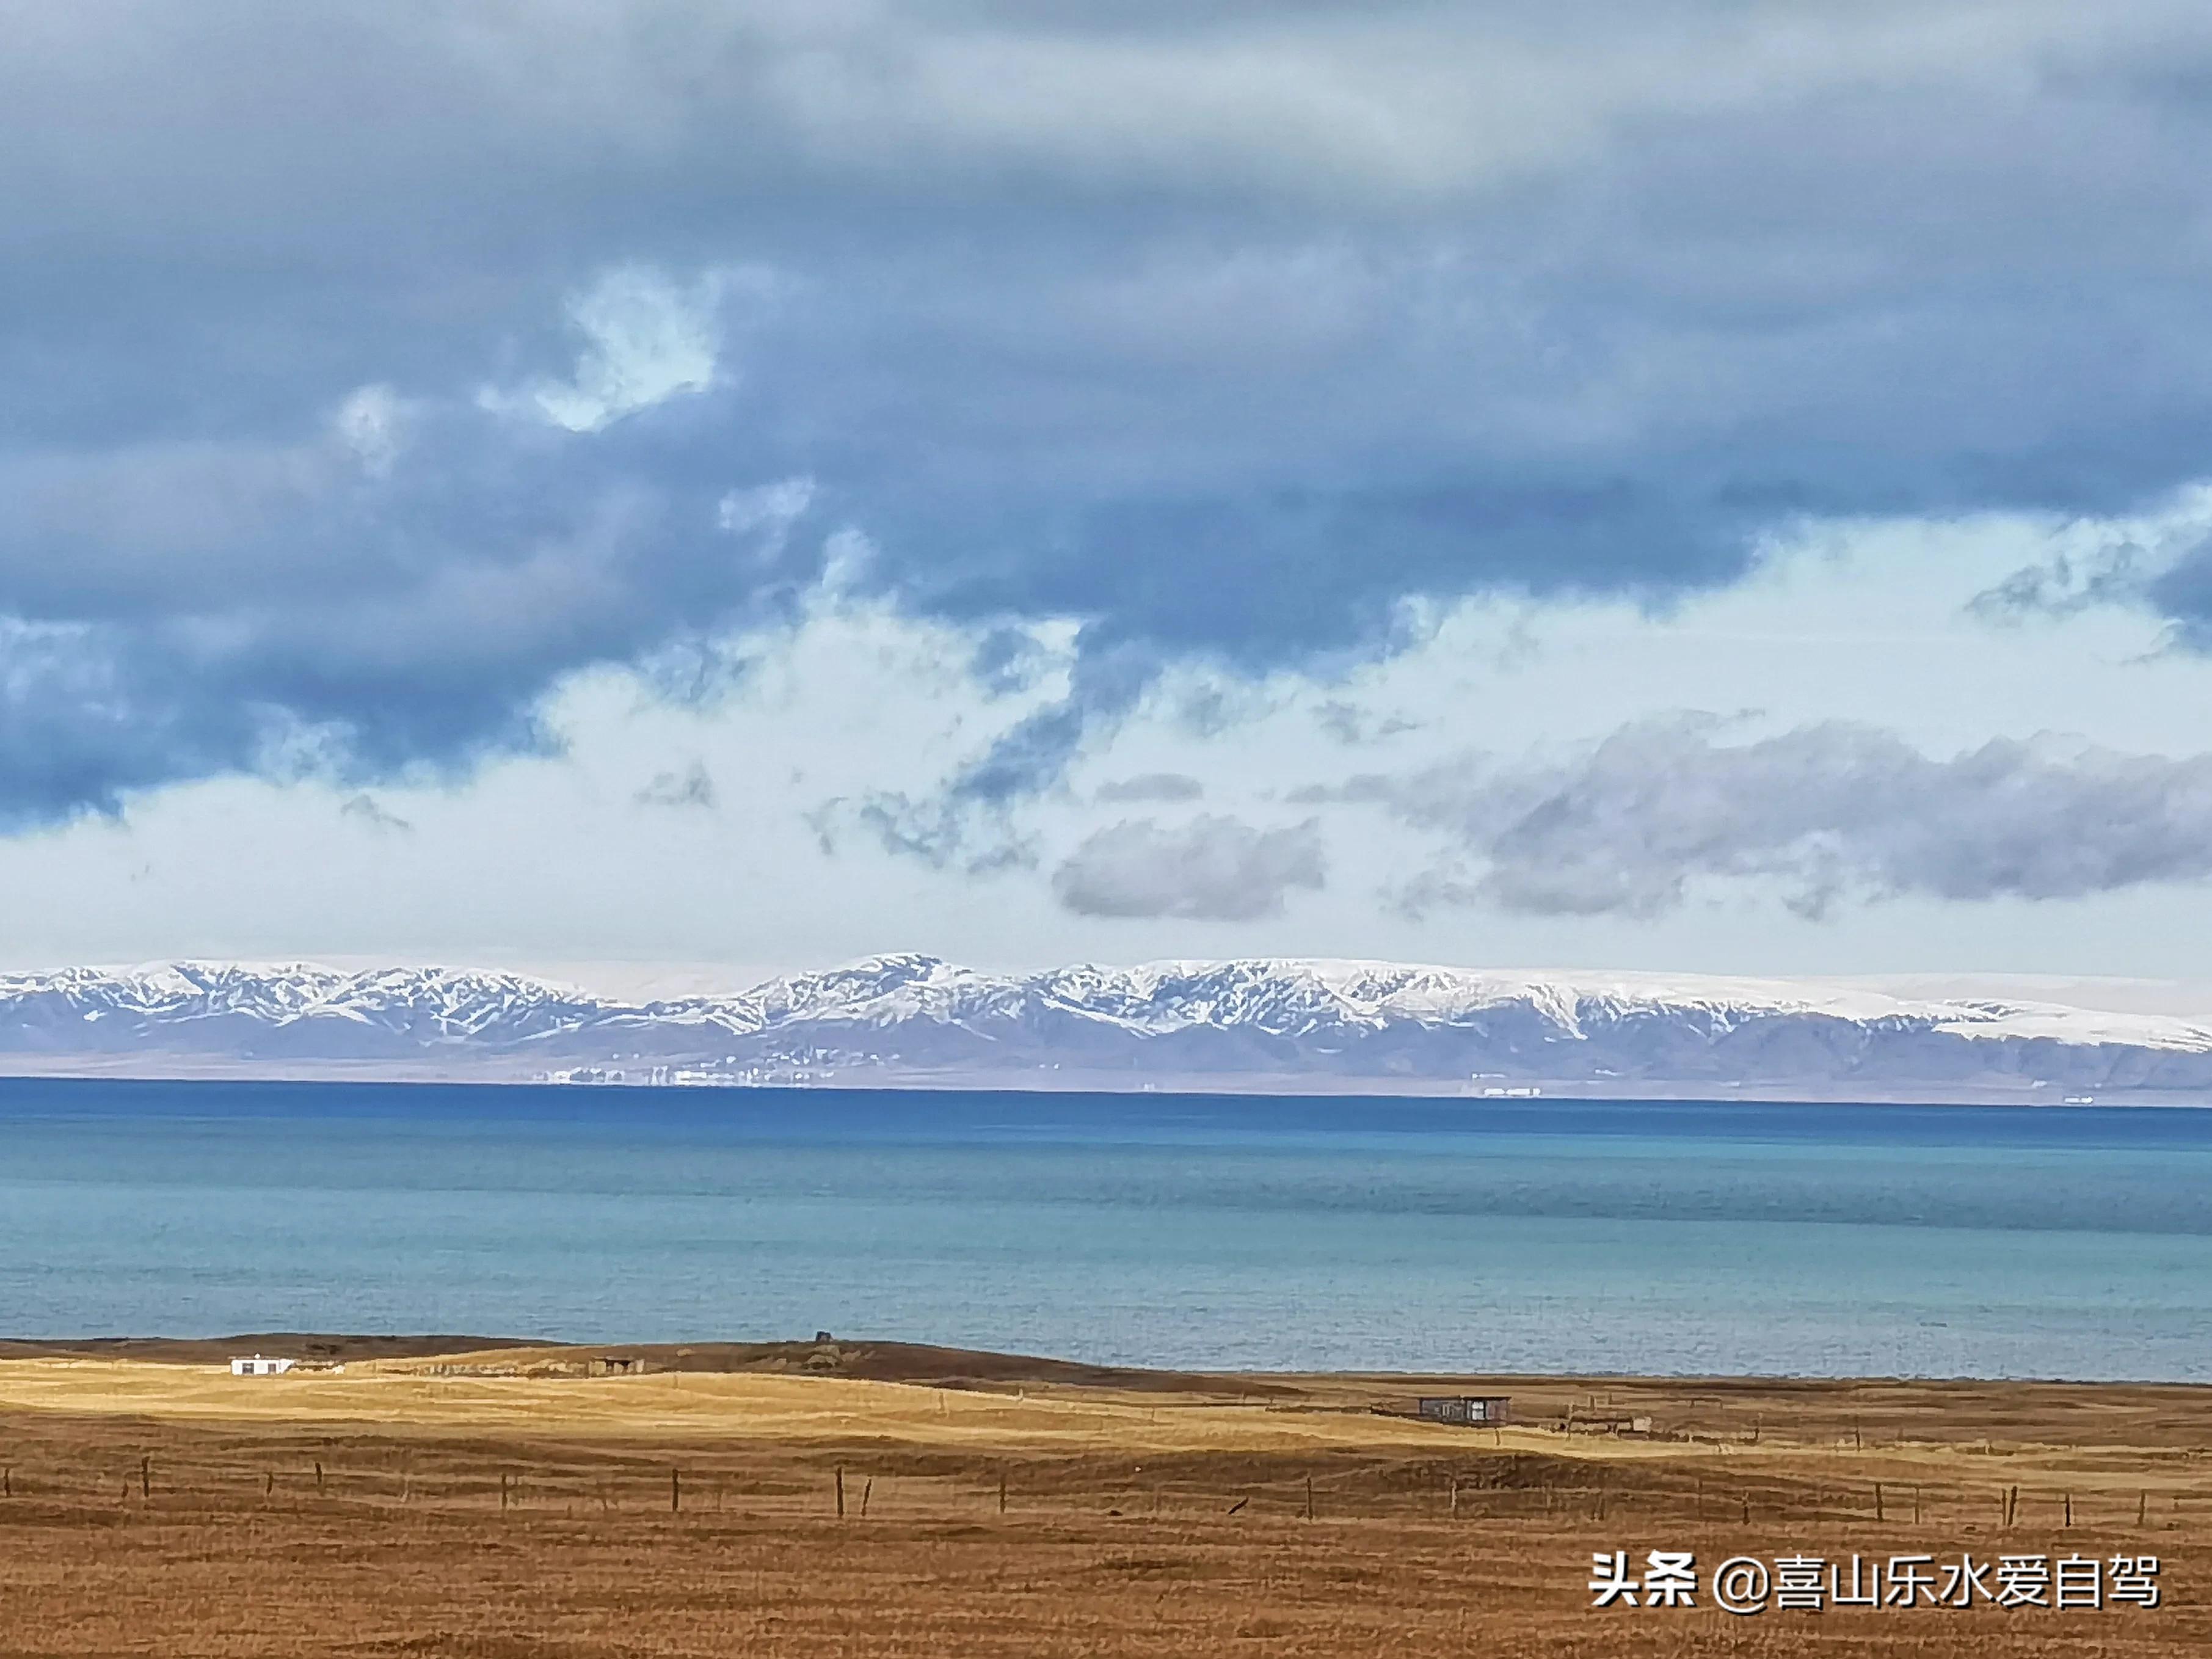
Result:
337,621
1233,334
1825,812
1216,869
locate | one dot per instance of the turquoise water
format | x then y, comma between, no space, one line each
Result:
1154,1230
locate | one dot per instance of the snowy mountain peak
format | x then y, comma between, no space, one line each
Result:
1289,1022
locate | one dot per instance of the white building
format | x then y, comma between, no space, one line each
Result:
259,1366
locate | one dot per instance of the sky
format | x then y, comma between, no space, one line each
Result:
667,492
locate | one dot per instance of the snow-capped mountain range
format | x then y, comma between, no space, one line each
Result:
1320,1024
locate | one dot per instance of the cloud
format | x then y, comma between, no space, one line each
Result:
389,592
366,810
647,339
1213,868
768,510
1659,811
371,422
1352,726
2159,563
1152,787
1297,323
690,788
2066,586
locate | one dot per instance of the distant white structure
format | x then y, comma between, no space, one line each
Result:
260,1366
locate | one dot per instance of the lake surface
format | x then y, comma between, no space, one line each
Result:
1158,1229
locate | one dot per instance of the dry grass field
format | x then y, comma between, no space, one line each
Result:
511,1502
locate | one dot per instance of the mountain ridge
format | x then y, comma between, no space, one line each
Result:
1322,1022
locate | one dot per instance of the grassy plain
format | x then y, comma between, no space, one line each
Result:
509,1503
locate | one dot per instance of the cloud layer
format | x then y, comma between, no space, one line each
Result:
334,453
1660,811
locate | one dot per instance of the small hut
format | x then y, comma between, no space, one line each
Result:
261,1366
1481,1411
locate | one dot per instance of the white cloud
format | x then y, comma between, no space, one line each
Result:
371,423
768,511
647,338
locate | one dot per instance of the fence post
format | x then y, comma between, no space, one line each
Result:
145,1478
840,1491
1879,1517
1308,1497
675,1491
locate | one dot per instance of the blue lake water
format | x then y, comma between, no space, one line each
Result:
1155,1230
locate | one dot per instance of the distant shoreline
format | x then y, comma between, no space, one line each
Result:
491,1074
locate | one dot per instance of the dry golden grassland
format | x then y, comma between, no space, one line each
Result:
506,1503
